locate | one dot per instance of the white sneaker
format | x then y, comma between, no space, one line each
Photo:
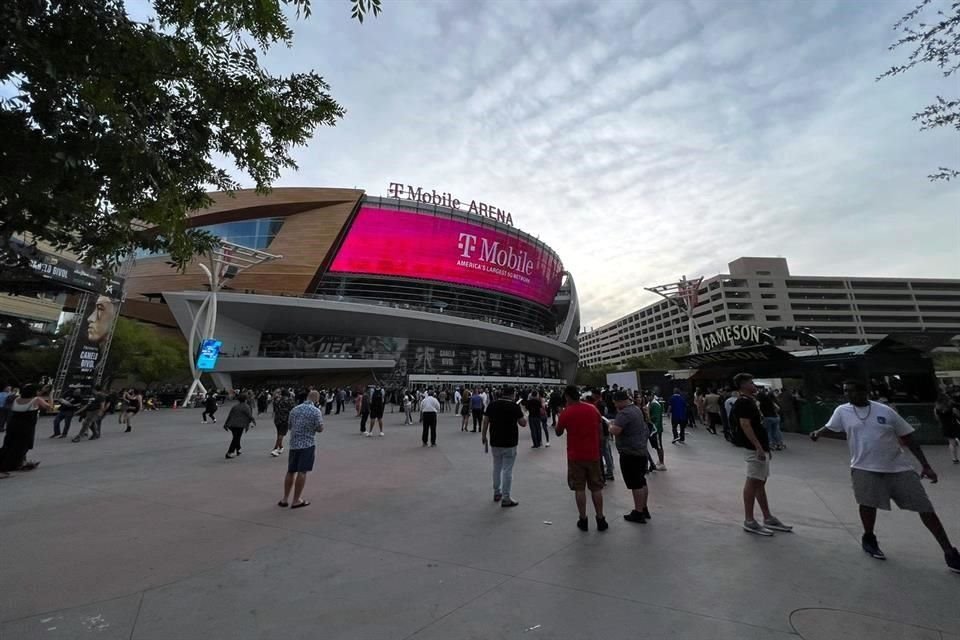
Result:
280,450
381,434
548,444
204,422
275,453
774,524
661,467
369,433
752,526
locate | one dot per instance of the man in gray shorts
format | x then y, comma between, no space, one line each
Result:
881,471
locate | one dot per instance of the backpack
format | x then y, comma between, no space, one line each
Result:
737,437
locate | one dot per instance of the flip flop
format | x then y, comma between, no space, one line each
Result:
283,504
301,504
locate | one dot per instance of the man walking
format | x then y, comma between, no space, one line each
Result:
711,405
92,414
881,471
631,432
341,399
477,409
655,409
678,416
502,419
283,404
68,407
305,422
581,422
746,424
429,410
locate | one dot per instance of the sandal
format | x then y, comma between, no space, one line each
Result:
283,503
301,504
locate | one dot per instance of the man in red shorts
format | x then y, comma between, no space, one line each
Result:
582,424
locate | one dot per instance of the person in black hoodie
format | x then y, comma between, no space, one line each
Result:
239,420
210,407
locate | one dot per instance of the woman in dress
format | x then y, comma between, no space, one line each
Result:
21,429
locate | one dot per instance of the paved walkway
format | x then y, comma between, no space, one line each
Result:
154,535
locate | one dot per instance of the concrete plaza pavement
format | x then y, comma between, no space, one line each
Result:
154,535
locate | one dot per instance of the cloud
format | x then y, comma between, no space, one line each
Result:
644,141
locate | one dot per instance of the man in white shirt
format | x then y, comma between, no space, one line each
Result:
429,409
457,400
880,469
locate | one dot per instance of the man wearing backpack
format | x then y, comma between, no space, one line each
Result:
746,425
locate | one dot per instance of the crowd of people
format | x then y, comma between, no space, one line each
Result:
593,422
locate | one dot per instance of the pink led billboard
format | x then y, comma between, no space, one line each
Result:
414,245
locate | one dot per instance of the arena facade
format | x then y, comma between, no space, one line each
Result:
368,289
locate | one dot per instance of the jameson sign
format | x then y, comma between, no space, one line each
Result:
446,199
745,354
739,334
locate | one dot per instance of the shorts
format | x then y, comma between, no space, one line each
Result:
656,440
582,474
757,469
873,489
281,428
376,413
301,460
714,419
634,471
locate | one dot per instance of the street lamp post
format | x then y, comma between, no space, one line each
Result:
686,295
227,259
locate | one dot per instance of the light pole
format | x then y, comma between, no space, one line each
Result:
686,295
227,259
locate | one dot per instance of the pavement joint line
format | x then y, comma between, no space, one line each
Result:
136,617
864,614
455,609
657,605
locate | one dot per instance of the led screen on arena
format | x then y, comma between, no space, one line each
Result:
415,245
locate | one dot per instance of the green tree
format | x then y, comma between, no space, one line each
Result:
593,376
141,355
115,126
937,42
662,359
945,361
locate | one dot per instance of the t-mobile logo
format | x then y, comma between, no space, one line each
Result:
466,244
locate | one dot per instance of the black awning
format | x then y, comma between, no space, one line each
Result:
911,342
725,357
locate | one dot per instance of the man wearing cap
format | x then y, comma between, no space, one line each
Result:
632,434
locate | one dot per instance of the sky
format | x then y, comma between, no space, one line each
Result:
645,140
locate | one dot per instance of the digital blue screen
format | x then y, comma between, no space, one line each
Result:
209,352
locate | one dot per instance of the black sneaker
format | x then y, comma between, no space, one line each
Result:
870,546
508,502
583,524
635,516
602,524
646,514
953,560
